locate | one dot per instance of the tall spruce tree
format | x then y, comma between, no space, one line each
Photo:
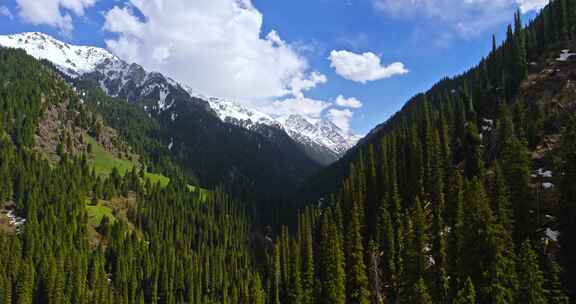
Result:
357,279
531,289
466,294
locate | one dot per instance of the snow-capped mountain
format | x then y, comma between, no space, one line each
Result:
323,141
70,59
116,77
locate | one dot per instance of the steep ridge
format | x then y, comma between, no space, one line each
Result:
214,151
466,194
62,224
549,58
117,78
322,140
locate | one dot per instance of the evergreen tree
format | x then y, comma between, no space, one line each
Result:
467,294
332,273
531,289
357,279
295,283
421,295
568,210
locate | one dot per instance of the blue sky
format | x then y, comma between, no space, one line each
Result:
223,47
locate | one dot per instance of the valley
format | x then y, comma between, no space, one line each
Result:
123,185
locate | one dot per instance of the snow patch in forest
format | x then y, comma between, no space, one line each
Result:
544,173
565,55
547,185
552,234
15,220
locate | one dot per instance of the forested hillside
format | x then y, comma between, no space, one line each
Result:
464,196
173,245
467,195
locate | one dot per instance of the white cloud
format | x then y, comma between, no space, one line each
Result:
5,11
122,20
363,67
351,102
466,17
55,13
302,83
310,109
215,46
531,5
341,118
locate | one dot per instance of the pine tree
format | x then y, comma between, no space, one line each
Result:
257,292
420,240
386,240
276,275
308,272
532,284
332,273
501,202
516,167
520,44
295,283
421,295
467,294
473,151
25,284
556,293
357,279
568,211
374,273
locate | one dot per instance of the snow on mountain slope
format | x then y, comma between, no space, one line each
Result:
70,59
238,114
322,140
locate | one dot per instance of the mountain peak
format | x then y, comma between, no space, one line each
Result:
70,59
321,138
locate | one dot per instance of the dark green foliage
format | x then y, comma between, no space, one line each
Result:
421,295
172,244
430,209
453,170
207,150
467,294
531,289
357,279
568,200
332,277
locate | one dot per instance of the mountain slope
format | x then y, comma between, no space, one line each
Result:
473,181
323,142
208,148
111,238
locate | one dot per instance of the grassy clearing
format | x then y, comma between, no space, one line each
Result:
96,213
104,162
155,178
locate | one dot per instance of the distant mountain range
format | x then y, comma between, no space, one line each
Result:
321,140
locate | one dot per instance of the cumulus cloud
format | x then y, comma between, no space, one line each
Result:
363,67
351,102
55,13
301,84
466,17
531,5
215,46
310,109
341,118
4,11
